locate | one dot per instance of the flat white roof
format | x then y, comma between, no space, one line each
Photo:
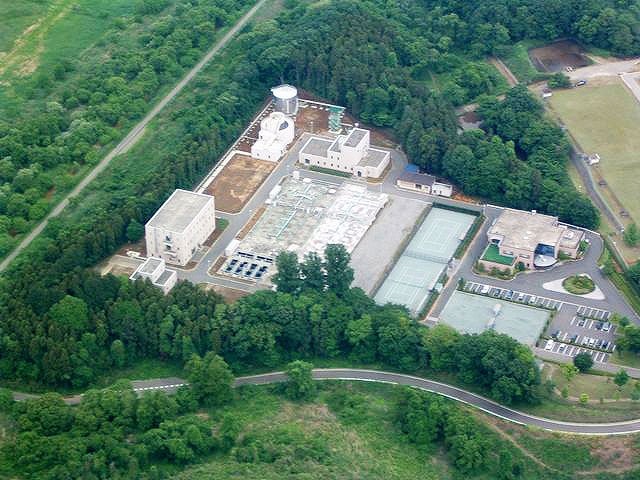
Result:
316,146
373,158
150,265
179,210
355,137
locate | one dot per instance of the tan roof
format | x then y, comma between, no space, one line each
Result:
525,230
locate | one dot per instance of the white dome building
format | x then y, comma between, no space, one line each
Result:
276,133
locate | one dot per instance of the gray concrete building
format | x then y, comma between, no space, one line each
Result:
180,226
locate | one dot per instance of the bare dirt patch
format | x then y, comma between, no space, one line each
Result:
231,295
557,56
251,223
238,181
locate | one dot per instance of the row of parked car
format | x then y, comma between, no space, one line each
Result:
235,267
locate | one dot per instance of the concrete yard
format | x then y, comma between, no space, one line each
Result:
376,251
237,182
471,313
305,216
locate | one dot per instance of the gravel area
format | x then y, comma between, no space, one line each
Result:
376,251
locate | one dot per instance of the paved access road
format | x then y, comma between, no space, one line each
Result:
170,385
134,135
454,393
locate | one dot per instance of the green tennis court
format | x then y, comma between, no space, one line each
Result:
471,313
417,270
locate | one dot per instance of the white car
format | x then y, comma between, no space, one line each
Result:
592,342
485,289
549,345
533,299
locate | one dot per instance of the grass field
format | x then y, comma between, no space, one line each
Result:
16,17
362,440
48,33
604,120
596,386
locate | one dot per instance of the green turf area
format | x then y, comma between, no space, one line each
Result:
492,254
604,119
596,386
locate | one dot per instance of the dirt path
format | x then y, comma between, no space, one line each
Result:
135,134
491,422
504,70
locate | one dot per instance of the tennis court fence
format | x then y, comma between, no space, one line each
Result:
426,256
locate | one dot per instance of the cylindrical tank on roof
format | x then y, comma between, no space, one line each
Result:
286,99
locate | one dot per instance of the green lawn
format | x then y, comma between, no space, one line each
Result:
492,254
596,386
604,119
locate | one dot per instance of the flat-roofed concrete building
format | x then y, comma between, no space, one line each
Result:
534,239
155,269
422,182
180,226
351,153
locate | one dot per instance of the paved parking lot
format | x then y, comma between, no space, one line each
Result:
573,350
574,329
513,295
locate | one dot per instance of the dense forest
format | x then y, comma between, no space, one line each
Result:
61,324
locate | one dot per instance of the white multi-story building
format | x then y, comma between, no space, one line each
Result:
276,133
350,153
180,226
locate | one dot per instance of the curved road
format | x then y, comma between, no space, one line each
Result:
170,385
454,393
134,135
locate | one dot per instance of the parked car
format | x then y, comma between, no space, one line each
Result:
606,326
549,345
592,342
555,334
533,299
485,289
580,83
521,297
574,338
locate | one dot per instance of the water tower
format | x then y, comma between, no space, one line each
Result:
286,99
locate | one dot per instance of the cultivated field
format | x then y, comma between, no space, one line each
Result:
604,119
238,181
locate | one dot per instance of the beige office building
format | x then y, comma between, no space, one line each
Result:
180,227
534,239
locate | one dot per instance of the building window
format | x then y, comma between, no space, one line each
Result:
307,161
